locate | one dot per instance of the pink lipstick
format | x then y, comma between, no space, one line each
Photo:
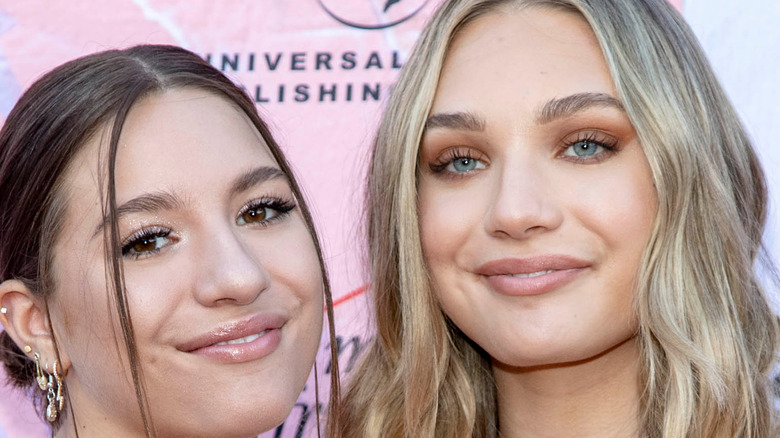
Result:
241,341
531,275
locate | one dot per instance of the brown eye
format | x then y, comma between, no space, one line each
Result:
264,211
147,242
254,215
145,245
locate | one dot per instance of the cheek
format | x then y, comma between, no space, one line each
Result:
79,302
78,310
451,223
158,289
619,206
294,266
295,263
153,298
85,320
449,217
290,258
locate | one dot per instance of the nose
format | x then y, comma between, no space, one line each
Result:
228,271
524,202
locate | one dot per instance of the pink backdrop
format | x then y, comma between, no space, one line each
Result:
320,78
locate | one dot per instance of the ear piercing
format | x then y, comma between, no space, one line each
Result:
28,349
3,310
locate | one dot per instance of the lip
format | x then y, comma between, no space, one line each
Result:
498,273
205,344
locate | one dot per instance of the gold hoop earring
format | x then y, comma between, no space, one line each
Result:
52,385
54,396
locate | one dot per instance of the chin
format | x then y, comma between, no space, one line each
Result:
546,359
260,417
249,418
543,356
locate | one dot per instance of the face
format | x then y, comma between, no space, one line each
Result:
535,199
222,277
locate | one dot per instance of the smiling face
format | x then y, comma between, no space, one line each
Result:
535,198
222,277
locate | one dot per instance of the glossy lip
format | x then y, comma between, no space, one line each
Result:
498,273
204,345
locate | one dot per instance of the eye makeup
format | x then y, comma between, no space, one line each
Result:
265,211
146,242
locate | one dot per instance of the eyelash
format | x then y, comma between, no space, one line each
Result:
449,156
282,207
607,143
139,237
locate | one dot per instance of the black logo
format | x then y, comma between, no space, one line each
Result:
372,14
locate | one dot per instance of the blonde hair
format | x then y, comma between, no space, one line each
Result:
708,337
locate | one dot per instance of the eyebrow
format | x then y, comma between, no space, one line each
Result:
566,106
554,109
148,202
255,177
162,200
461,121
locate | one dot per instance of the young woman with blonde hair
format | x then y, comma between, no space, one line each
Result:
564,213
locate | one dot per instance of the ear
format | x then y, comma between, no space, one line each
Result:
25,320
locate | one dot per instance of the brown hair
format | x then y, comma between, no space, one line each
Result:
708,336
42,134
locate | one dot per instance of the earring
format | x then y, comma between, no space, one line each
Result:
3,310
52,385
55,398
27,349
51,409
60,385
39,377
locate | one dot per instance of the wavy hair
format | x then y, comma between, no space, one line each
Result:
707,335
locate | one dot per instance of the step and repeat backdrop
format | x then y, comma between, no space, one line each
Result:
320,71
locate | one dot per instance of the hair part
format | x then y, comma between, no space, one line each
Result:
708,337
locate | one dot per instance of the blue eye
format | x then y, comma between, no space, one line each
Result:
585,148
458,161
590,147
465,164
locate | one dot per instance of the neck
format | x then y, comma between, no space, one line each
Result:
596,397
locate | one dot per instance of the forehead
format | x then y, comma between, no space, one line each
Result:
171,140
186,141
185,136
522,55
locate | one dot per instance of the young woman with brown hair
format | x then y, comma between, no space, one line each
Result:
159,271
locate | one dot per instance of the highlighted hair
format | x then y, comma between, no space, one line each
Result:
708,336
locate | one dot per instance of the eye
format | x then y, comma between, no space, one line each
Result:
253,215
263,211
589,148
458,161
146,242
585,148
465,164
